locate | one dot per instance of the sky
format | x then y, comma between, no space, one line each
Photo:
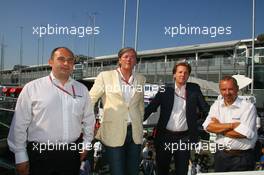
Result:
95,26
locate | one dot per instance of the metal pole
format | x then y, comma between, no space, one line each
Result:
42,56
124,24
2,60
88,54
2,55
137,17
94,14
88,45
38,52
220,67
93,42
20,55
38,58
253,47
21,47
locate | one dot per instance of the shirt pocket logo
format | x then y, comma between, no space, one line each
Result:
236,118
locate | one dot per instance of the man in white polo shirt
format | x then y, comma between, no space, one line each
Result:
234,122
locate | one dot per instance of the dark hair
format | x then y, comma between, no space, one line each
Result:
230,78
185,64
57,48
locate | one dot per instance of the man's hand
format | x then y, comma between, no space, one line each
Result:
22,168
83,155
219,128
232,133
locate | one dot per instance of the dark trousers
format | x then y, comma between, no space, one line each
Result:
167,146
228,161
53,162
124,160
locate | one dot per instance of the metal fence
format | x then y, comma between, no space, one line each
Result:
208,69
160,71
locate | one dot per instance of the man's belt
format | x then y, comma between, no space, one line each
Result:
175,133
236,151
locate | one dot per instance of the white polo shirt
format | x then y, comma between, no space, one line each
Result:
240,111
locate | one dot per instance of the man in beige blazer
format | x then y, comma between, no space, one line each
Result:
121,130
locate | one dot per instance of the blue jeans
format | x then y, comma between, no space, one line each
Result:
124,160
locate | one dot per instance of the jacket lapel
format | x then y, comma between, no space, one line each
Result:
116,84
135,84
170,99
137,88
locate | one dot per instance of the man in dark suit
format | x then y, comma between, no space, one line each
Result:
177,126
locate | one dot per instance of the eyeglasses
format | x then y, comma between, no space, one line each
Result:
63,60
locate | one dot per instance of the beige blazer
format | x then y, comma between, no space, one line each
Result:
113,129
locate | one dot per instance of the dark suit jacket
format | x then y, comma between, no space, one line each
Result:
194,101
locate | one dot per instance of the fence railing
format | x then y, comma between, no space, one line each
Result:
208,69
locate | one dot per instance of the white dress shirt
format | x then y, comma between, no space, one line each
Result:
127,88
46,114
177,121
240,111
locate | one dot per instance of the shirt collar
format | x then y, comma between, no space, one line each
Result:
177,89
236,103
54,79
131,78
